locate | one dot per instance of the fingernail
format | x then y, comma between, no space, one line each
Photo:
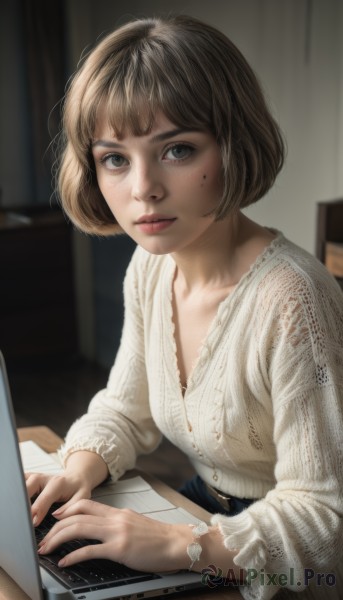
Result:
57,512
62,562
34,520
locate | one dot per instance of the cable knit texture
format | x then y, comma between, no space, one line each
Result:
261,416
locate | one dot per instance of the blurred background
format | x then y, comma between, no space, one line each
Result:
61,292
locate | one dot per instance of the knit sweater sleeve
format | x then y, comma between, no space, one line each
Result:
298,524
118,425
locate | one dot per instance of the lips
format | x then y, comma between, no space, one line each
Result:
155,218
154,224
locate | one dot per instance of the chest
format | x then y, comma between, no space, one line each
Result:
193,317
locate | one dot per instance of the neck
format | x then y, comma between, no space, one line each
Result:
212,261
224,255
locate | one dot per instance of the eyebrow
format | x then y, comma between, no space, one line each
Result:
160,137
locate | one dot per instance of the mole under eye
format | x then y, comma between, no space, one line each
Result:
179,152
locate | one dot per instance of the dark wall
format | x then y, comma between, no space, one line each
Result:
111,257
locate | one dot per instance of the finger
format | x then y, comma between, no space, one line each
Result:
73,500
51,493
82,554
84,507
76,521
72,531
35,482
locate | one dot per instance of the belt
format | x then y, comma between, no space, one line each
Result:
223,499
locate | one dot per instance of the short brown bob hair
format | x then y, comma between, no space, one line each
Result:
198,78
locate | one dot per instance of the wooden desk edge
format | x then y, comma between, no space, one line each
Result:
42,435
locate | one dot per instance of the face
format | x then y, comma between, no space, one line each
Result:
162,186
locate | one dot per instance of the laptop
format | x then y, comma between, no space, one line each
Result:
18,546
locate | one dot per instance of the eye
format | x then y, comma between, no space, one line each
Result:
113,161
179,152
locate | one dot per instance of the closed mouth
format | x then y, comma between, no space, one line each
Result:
154,219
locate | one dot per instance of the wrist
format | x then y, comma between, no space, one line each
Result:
87,467
194,549
180,536
215,554
185,546
211,550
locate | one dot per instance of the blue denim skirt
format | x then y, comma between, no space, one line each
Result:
196,490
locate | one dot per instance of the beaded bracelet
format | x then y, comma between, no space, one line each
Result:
194,549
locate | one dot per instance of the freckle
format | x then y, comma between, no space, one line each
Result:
204,176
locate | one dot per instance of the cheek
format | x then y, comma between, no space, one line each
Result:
210,182
101,184
210,176
112,192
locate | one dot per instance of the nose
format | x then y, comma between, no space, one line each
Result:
147,184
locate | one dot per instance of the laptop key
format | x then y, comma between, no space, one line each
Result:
69,579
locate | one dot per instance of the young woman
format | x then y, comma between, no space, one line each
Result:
232,340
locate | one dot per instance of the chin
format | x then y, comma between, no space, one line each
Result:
156,247
154,250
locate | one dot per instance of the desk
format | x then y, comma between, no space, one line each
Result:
49,441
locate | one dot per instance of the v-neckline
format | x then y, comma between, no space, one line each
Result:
216,320
184,389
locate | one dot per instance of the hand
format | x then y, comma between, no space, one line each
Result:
51,489
84,471
127,537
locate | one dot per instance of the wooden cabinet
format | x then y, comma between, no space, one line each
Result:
330,236
37,308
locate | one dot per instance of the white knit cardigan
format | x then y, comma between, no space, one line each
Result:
262,416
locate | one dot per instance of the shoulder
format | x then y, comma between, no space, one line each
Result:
290,270
299,300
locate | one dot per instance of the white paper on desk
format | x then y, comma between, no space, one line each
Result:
134,493
138,495
35,460
176,515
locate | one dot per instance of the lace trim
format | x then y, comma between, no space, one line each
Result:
240,533
96,445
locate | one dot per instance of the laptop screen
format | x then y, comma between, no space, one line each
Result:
17,543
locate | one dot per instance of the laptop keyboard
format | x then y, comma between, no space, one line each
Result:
88,575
